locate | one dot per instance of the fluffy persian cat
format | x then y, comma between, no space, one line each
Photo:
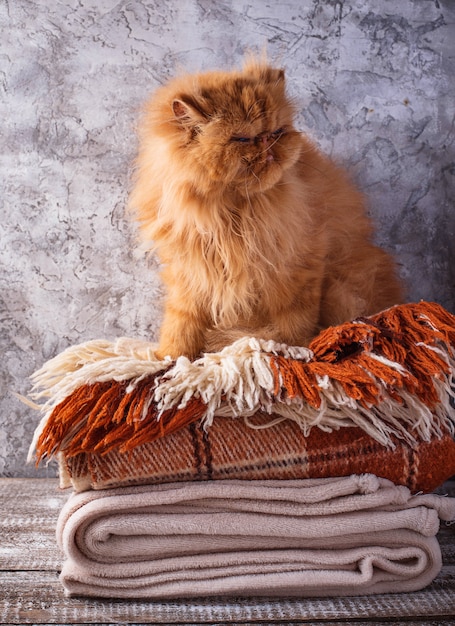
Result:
258,232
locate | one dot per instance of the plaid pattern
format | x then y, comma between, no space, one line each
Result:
231,449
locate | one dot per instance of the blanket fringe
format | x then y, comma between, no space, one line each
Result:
392,374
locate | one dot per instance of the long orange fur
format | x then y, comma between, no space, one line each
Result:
258,232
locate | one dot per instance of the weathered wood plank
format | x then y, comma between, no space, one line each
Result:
29,511
38,598
31,497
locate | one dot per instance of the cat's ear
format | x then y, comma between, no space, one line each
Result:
278,76
187,112
273,76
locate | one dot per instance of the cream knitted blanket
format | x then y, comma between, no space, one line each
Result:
315,537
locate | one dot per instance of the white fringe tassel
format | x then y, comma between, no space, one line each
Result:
238,381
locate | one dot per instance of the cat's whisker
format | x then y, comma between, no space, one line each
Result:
268,146
313,167
247,194
256,176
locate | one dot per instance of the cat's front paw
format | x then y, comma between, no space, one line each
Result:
173,351
161,356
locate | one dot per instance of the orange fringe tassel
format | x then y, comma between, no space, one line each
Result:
360,356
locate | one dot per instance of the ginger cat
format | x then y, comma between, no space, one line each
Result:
259,233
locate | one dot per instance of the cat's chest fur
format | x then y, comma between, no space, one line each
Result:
231,253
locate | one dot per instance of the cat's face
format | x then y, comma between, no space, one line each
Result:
236,129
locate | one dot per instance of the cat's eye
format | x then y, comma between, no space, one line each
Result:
276,134
242,139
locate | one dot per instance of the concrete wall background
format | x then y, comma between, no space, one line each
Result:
375,83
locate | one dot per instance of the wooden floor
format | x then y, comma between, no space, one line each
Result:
30,592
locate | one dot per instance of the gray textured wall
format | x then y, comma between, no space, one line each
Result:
374,79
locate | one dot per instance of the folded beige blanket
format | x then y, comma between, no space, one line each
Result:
315,537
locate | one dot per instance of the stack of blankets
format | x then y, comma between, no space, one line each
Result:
260,470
